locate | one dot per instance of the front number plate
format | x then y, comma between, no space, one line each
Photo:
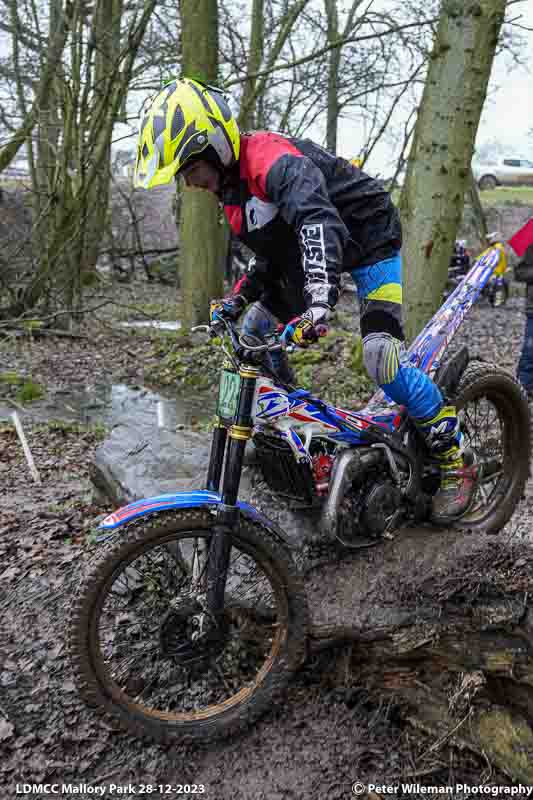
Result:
228,394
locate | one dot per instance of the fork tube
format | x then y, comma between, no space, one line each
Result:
216,458
239,433
227,512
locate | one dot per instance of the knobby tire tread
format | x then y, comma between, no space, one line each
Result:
149,529
482,377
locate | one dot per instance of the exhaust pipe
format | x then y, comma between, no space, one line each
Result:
345,470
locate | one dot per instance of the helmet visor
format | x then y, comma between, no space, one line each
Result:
145,170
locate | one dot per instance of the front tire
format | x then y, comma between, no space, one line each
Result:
495,421
133,649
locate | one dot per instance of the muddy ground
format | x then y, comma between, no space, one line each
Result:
326,734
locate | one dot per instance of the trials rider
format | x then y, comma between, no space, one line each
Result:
308,216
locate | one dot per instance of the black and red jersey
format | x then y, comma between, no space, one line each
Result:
307,215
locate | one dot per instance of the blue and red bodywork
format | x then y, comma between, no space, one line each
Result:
165,502
348,427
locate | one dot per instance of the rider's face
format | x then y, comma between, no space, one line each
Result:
202,175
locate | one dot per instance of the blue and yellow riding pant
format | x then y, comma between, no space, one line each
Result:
379,288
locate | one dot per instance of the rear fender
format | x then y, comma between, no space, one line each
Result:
180,500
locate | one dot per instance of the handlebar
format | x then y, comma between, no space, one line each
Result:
240,345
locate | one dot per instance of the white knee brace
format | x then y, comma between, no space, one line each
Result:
381,356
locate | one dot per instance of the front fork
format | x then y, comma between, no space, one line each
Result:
227,512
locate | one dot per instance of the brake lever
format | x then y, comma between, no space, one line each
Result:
212,330
250,348
272,345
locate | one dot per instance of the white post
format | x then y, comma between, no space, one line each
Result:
29,458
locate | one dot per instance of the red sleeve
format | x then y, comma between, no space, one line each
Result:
234,217
260,153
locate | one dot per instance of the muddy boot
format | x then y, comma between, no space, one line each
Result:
457,485
445,442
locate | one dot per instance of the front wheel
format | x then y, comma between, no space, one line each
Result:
144,649
494,416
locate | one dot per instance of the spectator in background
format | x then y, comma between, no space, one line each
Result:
523,272
495,239
460,260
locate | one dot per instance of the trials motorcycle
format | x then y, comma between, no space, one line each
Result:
496,290
193,615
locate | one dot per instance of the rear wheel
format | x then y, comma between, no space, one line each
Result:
147,654
495,422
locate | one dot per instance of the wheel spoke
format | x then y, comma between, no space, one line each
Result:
152,606
483,428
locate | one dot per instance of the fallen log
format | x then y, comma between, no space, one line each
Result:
439,620
449,636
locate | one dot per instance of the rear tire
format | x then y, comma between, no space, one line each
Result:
484,387
132,619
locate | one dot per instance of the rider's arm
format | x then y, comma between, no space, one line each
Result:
284,176
251,285
298,188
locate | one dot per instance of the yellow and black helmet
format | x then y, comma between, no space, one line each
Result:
187,118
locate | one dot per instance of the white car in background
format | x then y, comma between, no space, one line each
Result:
505,172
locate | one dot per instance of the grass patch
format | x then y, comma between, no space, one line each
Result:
97,430
501,196
180,362
11,378
508,196
207,424
32,325
29,392
332,369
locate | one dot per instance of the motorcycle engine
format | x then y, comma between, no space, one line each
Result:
367,511
378,506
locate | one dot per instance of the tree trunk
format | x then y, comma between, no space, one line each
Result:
333,76
108,17
45,195
247,116
439,164
442,623
72,176
201,242
478,214
59,22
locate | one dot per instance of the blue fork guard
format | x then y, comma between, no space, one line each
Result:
168,502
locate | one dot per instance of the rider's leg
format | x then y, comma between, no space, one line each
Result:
379,288
259,321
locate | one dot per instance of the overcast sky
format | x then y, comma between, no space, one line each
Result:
507,115
508,112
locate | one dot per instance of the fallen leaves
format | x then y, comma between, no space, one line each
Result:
7,729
